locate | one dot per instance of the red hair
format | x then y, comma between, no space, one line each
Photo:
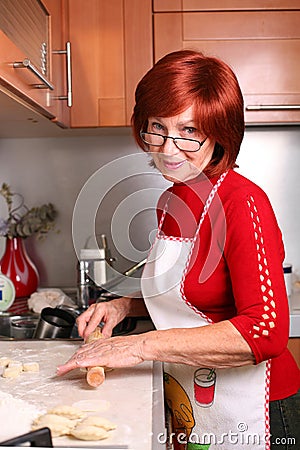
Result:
184,78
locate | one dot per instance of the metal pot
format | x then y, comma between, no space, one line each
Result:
54,323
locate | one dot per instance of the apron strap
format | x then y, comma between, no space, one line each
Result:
207,205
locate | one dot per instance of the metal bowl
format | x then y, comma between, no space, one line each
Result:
7,320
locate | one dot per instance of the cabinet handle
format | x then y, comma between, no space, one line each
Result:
26,64
67,52
271,107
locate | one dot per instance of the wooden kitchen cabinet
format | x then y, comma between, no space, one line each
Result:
294,347
111,51
29,71
261,43
222,5
59,70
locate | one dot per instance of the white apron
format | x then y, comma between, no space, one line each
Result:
210,408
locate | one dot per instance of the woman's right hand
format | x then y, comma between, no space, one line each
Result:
108,313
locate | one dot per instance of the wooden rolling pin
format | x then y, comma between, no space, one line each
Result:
95,375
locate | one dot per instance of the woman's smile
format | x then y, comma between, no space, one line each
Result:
177,165
173,165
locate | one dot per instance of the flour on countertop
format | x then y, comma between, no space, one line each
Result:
16,416
124,398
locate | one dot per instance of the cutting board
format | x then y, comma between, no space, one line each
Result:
125,398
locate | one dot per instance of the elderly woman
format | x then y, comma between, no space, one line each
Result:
213,283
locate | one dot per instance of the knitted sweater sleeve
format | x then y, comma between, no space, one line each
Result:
254,254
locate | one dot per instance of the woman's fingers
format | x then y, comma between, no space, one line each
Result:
113,352
77,360
110,313
90,326
107,328
107,353
88,321
68,366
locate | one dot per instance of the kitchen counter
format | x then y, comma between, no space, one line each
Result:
132,398
294,302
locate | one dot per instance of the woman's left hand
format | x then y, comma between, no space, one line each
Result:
119,351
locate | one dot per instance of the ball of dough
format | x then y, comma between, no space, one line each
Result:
89,433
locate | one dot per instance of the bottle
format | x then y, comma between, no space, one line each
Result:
7,292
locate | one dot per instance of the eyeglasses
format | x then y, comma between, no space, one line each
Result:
184,144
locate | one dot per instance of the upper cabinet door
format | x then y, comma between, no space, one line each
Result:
222,5
111,50
60,61
29,31
262,47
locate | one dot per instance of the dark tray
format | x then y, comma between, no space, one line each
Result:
37,438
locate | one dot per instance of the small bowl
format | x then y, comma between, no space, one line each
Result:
23,328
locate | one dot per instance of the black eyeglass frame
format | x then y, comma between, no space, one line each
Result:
173,139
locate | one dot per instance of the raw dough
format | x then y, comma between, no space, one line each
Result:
69,420
89,433
4,361
31,367
11,372
13,368
58,425
99,422
16,365
67,411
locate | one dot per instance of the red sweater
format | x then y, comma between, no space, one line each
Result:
236,268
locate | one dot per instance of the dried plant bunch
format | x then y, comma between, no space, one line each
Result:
22,221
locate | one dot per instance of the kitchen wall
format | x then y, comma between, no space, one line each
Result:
99,175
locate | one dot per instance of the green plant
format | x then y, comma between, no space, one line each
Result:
25,222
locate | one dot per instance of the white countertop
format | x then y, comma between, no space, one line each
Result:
131,397
294,302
